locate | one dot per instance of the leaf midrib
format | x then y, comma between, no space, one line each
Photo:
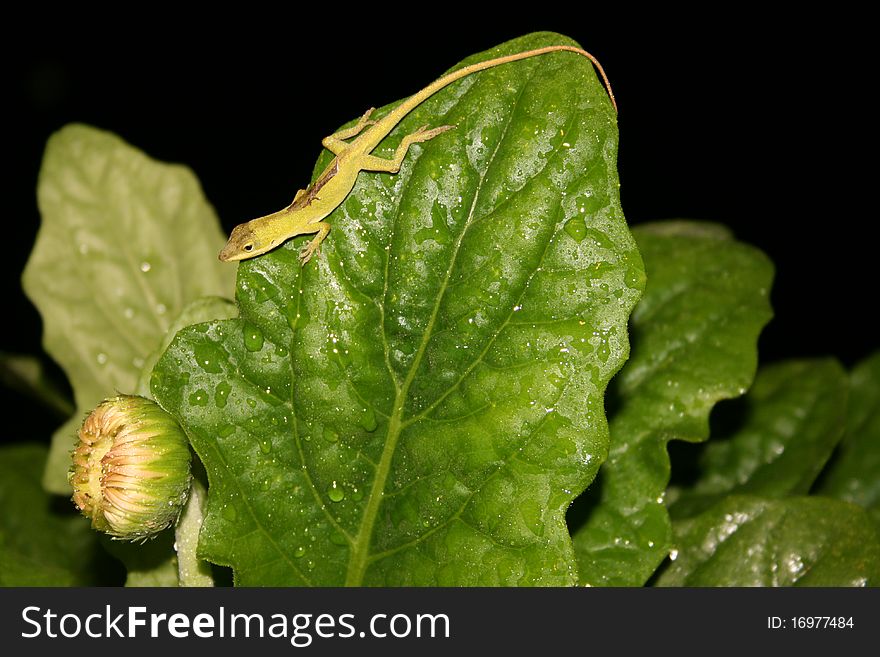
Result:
360,553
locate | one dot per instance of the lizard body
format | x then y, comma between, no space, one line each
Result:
306,213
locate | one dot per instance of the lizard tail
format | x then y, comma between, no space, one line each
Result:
437,85
480,66
386,123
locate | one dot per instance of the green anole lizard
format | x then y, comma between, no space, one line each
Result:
305,215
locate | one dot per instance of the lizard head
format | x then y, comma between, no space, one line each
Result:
247,241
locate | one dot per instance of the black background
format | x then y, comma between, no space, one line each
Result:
762,122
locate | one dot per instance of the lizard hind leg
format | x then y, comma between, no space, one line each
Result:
373,163
314,246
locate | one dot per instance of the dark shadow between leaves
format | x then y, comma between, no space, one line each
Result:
222,576
726,419
652,580
582,508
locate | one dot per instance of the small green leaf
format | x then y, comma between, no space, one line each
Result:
199,311
26,374
793,417
40,545
796,541
124,244
854,474
694,340
420,404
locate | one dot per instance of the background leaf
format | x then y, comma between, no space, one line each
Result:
784,433
420,404
39,544
854,474
694,338
796,541
125,243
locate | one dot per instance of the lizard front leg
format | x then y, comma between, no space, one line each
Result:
335,143
315,245
373,163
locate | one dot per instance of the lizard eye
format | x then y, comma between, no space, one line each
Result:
248,247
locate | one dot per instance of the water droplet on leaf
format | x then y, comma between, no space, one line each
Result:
335,492
199,398
368,419
208,357
221,394
253,337
576,228
634,278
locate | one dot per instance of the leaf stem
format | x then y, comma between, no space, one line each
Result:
191,570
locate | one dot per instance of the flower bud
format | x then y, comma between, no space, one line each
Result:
130,471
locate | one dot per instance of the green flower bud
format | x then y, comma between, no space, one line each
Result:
130,471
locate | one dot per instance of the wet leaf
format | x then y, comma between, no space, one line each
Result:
789,424
796,541
694,338
420,404
854,475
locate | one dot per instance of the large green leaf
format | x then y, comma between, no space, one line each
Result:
125,243
39,544
796,541
855,473
420,404
694,340
793,417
